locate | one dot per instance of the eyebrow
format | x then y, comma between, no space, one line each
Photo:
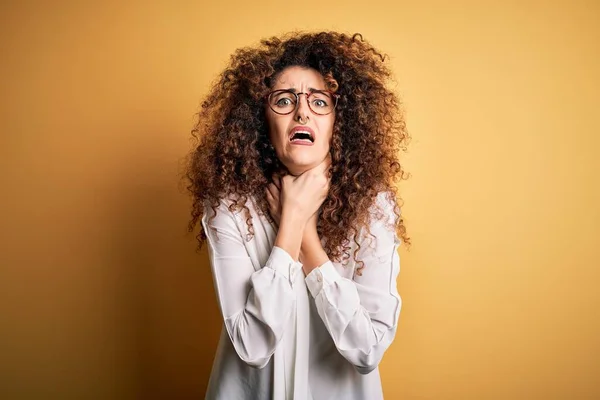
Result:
309,89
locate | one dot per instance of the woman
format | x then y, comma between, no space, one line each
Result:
294,179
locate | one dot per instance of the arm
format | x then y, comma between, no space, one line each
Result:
312,253
290,232
361,315
297,206
255,305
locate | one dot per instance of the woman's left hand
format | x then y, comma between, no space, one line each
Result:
273,191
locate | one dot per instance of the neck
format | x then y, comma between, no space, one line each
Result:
297,171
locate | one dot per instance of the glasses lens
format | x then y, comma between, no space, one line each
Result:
282,102
321,102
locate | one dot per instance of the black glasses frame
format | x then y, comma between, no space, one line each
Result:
334,96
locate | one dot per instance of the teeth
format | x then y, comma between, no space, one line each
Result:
310,139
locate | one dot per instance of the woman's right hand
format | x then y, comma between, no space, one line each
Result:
301,196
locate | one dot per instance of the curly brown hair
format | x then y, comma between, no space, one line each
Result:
232,154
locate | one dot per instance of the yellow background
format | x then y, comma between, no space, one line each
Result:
101,293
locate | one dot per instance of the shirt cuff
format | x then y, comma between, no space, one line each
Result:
283,263
321,277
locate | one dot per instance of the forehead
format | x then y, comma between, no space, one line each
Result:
299,78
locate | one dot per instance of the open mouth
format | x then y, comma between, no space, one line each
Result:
302,136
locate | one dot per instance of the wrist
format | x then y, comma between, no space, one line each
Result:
311,253
310,237
312,257
289,234
293,217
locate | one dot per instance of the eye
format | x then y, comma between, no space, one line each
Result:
320,103
283,102
282,99
321,99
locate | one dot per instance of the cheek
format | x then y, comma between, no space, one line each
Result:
327,127
276,129
272,130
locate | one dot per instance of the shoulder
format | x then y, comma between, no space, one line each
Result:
382,219
230,206
383,207
385,199
379,234
223,207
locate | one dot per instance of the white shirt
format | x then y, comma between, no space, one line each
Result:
290,336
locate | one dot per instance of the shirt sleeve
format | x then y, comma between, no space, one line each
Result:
361,314
255,305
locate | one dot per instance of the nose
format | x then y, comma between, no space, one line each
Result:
303,110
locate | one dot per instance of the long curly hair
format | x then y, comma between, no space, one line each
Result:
232,156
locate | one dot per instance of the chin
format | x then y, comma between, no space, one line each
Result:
297,167
299,163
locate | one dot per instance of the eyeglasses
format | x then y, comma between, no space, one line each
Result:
285,101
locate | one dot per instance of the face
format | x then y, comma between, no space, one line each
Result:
297,155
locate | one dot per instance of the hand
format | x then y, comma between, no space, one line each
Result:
273,198
311,225
309,233
311,253
303,195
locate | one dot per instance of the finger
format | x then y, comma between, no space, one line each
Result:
270,199
276,200
276,179
272,189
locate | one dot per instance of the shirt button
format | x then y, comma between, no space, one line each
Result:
319,276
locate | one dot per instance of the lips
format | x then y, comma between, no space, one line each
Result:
302,134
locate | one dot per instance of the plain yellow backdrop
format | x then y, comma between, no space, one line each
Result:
102,295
